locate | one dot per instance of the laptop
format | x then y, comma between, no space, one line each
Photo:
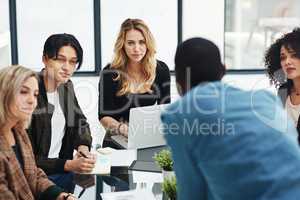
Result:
145,128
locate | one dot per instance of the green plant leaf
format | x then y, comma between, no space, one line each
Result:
164,160
169,188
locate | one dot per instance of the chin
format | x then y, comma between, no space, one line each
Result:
63,80
293,76
24,117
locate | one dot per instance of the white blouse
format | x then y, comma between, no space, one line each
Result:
292,110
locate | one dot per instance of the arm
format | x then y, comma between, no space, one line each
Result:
49,165
42,186
117,127
45,188
6,194
79,126
190,177
164,83
106,110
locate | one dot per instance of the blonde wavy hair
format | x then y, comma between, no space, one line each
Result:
120,59
11,80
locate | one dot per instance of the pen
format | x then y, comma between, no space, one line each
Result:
82,154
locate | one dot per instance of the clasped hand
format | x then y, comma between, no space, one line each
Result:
83,162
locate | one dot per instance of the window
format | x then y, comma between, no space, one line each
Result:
252,25
204,19
37,20
4,16
160,16
5,58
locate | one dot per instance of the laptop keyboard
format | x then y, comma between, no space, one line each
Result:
121,140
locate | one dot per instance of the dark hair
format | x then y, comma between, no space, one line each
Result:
290,41
57,41
200,59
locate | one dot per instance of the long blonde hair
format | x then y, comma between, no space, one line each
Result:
11,80
120,60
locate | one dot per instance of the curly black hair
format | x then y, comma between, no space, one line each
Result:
290,41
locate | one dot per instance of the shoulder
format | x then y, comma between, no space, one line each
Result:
283,86
67,86
107,67
283,91
162,71
24,136
162,67
108,73
169,114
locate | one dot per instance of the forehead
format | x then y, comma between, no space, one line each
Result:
134,34
67,51
286,49
31,83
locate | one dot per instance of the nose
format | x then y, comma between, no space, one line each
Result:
136,47
67,66
31,99
288,61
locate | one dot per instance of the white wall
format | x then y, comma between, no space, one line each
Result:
204,19
37,20
5,56
4,15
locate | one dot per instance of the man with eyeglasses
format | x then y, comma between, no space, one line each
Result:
58,124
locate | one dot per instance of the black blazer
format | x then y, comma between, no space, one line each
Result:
283,92
77,131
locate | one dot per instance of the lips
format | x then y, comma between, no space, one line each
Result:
136,55
64,75
27,110
290,69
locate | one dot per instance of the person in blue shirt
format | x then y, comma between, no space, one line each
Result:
227,143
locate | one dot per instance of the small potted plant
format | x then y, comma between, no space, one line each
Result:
169,188
165,162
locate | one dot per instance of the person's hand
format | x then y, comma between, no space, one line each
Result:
84,153
123,129
82,163
66,196
83,149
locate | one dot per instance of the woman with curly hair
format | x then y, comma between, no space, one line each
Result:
282,61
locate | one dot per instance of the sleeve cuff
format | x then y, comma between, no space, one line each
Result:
51,192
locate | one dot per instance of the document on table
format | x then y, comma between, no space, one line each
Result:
122,158
129,195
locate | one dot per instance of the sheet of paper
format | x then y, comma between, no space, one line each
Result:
122,157
129,195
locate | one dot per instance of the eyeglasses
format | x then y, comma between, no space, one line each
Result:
63,61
